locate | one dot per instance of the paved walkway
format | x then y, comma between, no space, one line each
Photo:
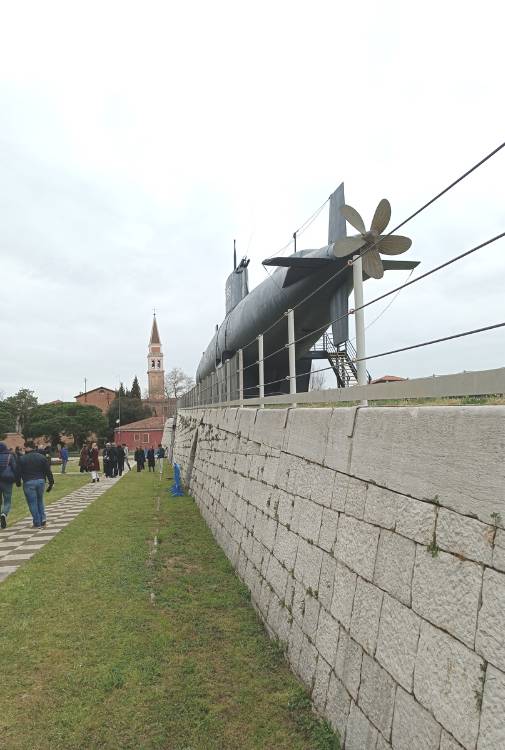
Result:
20,541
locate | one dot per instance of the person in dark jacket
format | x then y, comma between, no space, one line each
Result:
9,473
160,455
107,463
114,459
120,459
151,459
139,458
34,470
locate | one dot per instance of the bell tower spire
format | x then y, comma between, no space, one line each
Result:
155,369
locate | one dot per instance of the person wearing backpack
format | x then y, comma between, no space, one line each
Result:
9,474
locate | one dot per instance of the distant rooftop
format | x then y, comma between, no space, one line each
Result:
101,388
150,423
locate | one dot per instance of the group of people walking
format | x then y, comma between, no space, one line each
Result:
31,469
115,457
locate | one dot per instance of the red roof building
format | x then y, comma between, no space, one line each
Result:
101,397
142,434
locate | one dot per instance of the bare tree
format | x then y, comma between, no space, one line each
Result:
177,383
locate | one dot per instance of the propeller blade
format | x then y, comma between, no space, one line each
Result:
393,244
347,246
381,216
399,265
372,264
352,216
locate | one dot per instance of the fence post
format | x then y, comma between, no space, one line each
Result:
241,376
292,352
359,322
261,369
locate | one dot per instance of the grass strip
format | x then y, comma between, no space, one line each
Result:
110,641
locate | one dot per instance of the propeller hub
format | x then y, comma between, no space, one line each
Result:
371,236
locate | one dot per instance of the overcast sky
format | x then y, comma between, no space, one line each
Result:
138,139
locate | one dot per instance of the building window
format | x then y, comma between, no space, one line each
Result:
136,437
159,363
152,363
145,437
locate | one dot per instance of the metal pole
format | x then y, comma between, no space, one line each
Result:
359,322
241,376
292,352
228,380
261,369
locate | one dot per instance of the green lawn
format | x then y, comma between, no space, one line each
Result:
63,485
109,642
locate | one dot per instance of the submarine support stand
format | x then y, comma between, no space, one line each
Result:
359,322
292,352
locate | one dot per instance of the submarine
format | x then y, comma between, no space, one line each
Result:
318,283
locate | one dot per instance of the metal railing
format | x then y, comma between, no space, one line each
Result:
478,383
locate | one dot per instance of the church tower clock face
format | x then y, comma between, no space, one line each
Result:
155,369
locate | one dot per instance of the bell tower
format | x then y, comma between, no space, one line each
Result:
155,370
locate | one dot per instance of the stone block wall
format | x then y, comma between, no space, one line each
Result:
373,543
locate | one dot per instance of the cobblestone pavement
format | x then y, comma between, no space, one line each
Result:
20,541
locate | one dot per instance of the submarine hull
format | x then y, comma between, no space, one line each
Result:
263,310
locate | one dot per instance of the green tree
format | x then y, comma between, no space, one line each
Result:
132,409
7,419
63,420
21,405
135,391
121,391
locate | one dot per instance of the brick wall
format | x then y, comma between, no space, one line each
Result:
101,397
373,544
